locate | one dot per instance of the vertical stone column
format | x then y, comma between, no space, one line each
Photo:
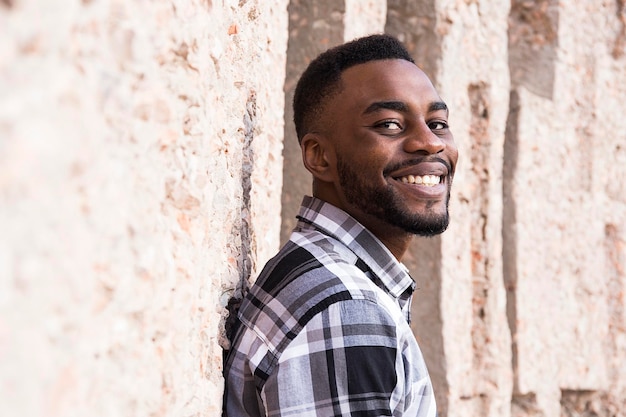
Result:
562,162
474,79
533,37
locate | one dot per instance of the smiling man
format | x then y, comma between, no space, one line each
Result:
325,329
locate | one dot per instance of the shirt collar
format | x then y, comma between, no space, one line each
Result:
343,227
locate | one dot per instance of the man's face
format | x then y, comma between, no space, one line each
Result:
395,156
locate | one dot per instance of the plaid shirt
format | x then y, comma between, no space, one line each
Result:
324,331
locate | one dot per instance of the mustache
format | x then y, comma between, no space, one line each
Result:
416,161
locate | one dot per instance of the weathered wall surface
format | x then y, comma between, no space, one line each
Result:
140,158
564,222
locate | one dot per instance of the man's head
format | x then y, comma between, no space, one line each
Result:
322,78
374,134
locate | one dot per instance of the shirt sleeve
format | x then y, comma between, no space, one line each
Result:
348,360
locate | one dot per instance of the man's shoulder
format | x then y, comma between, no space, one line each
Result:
298,283
313,256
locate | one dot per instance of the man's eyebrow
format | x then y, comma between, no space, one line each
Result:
402,106
386,105
437,105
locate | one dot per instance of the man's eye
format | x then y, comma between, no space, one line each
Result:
438,125
389,125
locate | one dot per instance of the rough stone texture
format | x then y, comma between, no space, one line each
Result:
364,18
416,24
140,155
472,76
565,193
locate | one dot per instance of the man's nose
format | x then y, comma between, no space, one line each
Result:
423,140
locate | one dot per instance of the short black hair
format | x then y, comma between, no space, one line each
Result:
322,77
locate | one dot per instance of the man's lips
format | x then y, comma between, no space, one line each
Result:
424,179
427,180
421,172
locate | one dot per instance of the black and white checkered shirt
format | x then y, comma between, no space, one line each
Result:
324,331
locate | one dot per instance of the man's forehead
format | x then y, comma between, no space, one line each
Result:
387,81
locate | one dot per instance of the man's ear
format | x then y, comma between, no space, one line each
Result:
318,156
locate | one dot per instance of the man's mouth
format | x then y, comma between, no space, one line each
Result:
426,180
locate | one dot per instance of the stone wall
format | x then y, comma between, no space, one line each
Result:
141,153
140,163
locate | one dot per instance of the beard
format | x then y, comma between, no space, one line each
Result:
383,202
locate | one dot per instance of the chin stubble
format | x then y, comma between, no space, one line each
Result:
382,202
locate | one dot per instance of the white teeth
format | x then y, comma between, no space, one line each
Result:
428,180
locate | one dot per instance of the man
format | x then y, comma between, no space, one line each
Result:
324,331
